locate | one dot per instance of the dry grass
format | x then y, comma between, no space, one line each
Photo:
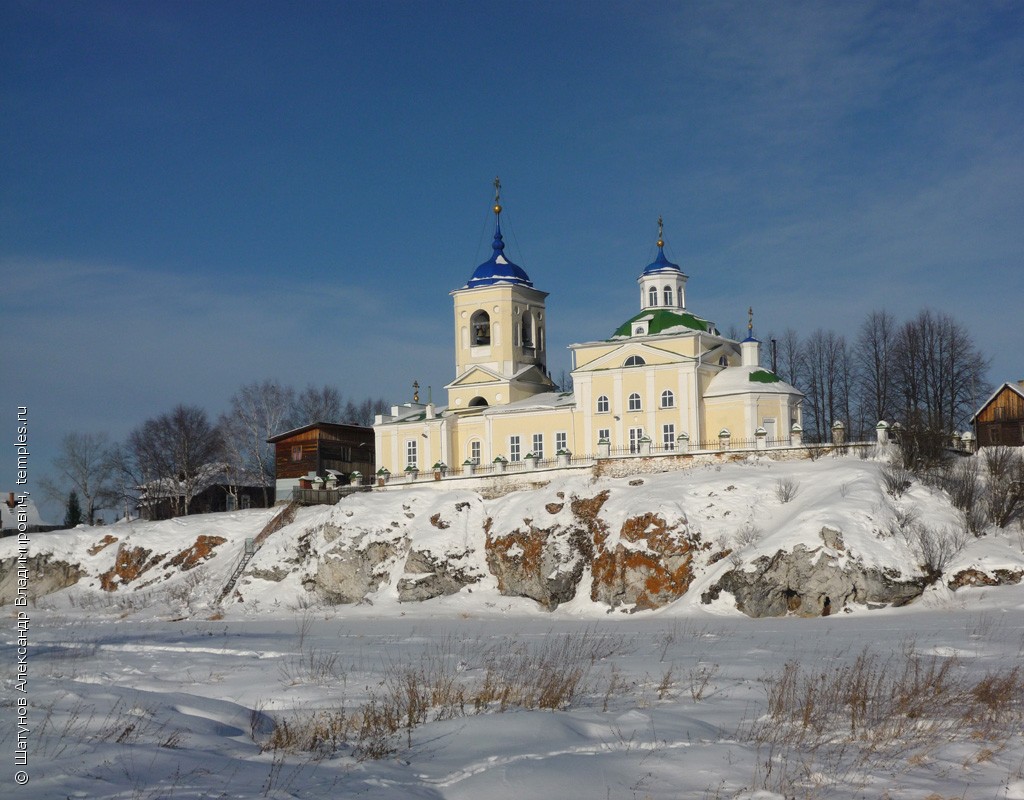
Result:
548,675
866,716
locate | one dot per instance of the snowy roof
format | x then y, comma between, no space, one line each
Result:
8,515
498,269
748,380
1012,386
539,402
663,321
323,425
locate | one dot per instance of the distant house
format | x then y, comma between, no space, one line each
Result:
215,491
1001,419
9,513
322,449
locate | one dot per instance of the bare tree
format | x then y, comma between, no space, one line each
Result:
314,404
939,372
873,354
84,465
362,413
173,455
258,411
826,359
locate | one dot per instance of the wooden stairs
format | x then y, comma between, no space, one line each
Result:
285,516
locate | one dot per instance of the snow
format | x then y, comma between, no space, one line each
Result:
155,692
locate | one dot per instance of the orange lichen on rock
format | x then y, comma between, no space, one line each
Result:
101,544
975,577
650,576
129,564
197,553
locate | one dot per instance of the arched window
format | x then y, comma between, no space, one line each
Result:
652,296
668,295
602,405
480,328
527,329
634,361
723,362
634,402
478,402
668,400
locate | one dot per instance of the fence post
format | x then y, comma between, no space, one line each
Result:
796,435
724,438
969,441
645,445
882,432
469,466
760,439
683,443
563,457
604,448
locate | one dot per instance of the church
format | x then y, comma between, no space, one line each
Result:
664,382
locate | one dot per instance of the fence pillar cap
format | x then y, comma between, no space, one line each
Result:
760,432
724,432
796,428
838,424
683,435
882,425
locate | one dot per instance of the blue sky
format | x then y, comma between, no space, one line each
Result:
194,196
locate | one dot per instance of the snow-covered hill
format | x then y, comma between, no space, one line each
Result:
584,639
764,537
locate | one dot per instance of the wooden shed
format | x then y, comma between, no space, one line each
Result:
1001,419
321,447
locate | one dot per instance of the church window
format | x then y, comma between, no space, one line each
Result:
634,361
410,453
668,436
668,295
474,451
527,329
478,402
538,446
515,452
561,441
652,296
723,362
604,433
634,402
602,405
668,400
480,326
635,435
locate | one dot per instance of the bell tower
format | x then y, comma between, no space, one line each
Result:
662,283
500,332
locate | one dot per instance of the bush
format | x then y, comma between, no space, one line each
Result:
1004,494
897,480
786,489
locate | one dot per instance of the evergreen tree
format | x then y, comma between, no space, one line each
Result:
73,513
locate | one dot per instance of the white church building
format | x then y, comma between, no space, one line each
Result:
665,381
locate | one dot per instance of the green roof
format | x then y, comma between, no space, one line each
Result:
764,376
661,320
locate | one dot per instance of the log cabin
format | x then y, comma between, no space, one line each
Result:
321,448
1000,421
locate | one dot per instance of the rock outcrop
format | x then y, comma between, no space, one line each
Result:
428,575
44,575
351,571
811,583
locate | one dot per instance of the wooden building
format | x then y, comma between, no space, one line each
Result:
321,448
215,491
1000,421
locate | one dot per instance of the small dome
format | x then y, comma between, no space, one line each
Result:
661,264
498,269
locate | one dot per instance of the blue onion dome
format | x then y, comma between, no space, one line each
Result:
498,269
661,263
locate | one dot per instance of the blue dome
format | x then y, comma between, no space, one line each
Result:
661,264
498,269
